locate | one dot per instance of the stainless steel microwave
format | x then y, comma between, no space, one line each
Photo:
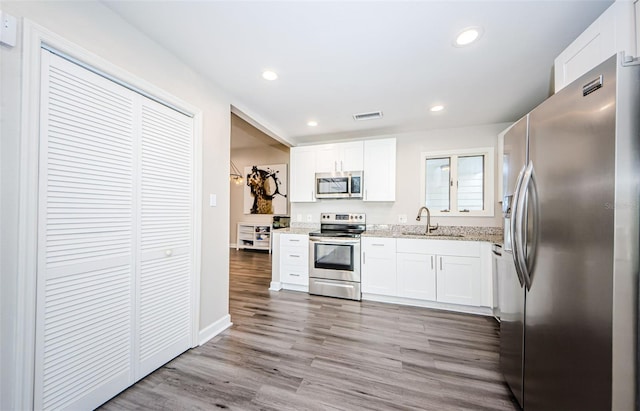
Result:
347,184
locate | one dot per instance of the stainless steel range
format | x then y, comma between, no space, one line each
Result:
334,256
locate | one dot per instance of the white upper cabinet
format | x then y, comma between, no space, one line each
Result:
335,158
612,32
380,170
302,174
376,158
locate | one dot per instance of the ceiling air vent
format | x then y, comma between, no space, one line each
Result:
367,116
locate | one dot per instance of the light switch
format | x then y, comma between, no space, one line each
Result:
213,200
8,29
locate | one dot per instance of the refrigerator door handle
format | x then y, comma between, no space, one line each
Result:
528,196
514,227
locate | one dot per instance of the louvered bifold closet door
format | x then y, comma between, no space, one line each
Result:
166,235
84,339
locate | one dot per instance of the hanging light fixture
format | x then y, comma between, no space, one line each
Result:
235,175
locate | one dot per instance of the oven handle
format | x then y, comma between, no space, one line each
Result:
331,240
334,284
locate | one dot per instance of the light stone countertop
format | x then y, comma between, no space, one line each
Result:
293,230
455,233
491,238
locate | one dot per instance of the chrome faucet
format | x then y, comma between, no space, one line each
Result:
430,228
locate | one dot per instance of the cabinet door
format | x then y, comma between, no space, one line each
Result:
339,157
417,276
380,170
351,156
379,266
458,280
612,32
327,158
302,175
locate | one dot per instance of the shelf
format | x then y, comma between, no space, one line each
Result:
254,236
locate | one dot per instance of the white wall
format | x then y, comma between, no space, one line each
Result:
409,147
97,29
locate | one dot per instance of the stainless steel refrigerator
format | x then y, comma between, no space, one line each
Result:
568,326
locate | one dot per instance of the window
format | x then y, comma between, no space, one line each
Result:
458,183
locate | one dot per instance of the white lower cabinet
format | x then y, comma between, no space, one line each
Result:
458,280
416,276
425,272
378,266
294,261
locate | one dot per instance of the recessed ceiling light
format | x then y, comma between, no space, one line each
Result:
312,123
269,75
468,36
437,108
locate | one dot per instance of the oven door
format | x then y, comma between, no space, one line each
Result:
334,258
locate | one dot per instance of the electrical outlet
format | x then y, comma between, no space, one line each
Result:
309,218
299,218
402,218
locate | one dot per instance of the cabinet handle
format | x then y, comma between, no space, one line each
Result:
294,275
440,263
335,165
364,259
365,194
294,241
377,245
341,166
432,262
294,255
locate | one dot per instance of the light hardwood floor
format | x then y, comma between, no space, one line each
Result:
292,351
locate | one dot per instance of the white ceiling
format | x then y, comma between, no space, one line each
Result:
337,58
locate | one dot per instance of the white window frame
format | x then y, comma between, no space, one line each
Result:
489,176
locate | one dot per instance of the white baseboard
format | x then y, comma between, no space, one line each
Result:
485,311
295,287
275,286
214,329
233,245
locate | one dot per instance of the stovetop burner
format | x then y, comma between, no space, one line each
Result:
341,225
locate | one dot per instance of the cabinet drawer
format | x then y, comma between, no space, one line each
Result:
294,241
440,247
291,275
382,247
294,257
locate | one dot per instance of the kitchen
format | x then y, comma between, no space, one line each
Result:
189,86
